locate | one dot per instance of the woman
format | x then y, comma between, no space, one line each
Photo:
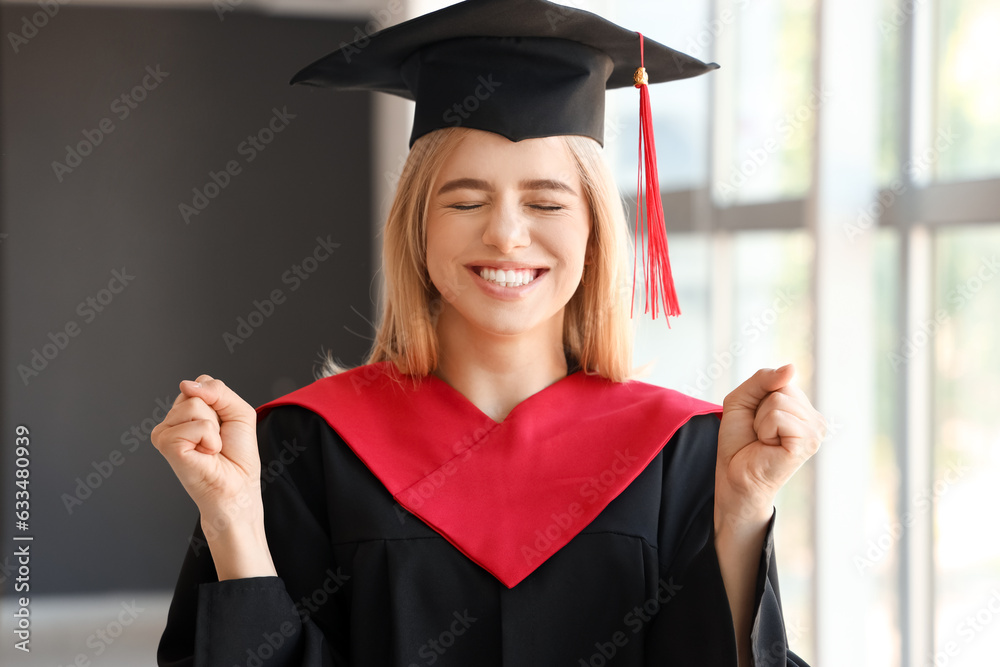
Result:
489,489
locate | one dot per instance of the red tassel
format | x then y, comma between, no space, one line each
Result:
658,278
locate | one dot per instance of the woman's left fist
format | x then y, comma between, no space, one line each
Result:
769,429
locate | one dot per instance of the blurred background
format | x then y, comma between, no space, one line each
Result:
171,207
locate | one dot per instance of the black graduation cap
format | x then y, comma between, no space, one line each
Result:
519,68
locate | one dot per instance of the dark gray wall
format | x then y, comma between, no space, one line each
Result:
66,234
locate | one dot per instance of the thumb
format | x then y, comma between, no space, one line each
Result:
226,402
748,395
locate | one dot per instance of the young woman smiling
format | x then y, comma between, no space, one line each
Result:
490,488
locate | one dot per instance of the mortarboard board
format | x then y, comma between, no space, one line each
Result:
521,69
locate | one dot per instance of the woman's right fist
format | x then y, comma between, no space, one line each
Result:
209,437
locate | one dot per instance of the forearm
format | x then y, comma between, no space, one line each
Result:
738,544
239,551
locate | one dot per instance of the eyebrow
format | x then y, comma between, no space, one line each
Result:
479,184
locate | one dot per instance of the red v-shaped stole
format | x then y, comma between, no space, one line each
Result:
510,494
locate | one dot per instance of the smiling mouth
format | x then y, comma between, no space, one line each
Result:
507,277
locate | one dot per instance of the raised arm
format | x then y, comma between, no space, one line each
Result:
209,438
229,607
768,430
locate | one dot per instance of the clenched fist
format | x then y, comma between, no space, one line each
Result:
769,429
209,437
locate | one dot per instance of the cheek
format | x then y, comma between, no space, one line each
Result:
570,246
434,258
443,250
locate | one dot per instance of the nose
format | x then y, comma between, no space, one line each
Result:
507,227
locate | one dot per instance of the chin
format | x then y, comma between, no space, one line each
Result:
504,321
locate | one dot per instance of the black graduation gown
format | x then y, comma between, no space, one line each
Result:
363,582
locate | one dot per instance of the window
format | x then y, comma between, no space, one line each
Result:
967,100
966,432
751,175
737,155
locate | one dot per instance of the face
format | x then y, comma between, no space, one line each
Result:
507,231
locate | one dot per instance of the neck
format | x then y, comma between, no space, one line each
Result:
496,372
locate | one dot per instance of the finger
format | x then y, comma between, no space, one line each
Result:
770,403
784,399
189,410
748,395
188,389
802,407
200,435
794,391
222,399
776,426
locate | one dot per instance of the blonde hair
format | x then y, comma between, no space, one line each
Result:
597,331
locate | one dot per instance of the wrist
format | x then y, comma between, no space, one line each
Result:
742,519
240,551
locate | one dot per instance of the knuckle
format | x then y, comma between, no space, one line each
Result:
206,426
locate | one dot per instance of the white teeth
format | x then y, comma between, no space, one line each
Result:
507,278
